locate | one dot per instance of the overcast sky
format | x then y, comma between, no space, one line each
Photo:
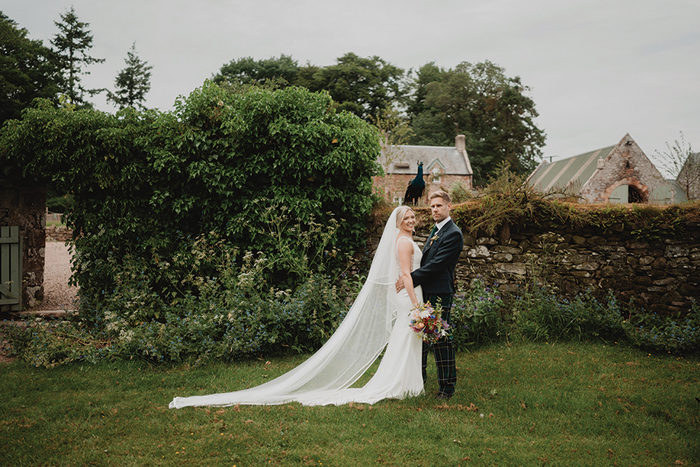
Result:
597,69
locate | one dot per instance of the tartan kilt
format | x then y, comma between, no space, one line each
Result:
443,350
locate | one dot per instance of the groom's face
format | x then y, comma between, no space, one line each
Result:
440,209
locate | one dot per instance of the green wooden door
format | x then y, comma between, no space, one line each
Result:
10,269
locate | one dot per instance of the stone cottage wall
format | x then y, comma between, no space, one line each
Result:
395,185
25,206
662,276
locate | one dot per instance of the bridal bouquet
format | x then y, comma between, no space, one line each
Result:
427,323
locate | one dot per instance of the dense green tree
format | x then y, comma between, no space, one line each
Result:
489,108
247,71
145,185
27,70
418,87
72,44
363,86
132,83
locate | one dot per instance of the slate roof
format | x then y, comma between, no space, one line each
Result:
570,172
450,160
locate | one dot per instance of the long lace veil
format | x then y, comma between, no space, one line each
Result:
346,355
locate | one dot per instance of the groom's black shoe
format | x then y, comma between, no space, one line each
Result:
443,396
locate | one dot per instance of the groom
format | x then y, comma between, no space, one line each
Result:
436,276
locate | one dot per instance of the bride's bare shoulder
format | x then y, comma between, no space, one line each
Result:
404,246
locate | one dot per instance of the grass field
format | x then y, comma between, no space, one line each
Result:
542,404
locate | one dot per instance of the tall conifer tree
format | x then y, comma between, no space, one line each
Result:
132,83
72,44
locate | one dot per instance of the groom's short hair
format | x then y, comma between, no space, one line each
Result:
440,194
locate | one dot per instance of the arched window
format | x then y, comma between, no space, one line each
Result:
436,174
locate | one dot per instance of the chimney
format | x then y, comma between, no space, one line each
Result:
460,143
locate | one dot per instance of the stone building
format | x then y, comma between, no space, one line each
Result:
689,177
22,206
442,168
615,174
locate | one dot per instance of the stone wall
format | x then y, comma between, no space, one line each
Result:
662,276
25,206
58,233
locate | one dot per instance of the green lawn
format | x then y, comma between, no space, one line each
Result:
542,404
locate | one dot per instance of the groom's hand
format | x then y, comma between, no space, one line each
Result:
399,285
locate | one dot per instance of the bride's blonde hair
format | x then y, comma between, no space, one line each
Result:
400,214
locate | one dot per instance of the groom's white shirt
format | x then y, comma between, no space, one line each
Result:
442,224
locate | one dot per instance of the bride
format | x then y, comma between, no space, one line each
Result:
379,318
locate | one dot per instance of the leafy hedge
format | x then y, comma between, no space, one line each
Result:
508,200
258,171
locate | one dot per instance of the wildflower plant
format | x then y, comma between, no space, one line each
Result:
541,315
205,302
477,315
667,333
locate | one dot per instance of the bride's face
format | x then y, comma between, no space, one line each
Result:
409,222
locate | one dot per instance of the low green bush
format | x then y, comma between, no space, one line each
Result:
231,327
541,315
477,315
236,316
667,333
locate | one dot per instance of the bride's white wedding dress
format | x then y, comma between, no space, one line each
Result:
378,319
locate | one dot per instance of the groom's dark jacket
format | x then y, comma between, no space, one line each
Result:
440,256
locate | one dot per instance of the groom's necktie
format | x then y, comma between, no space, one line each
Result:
430,237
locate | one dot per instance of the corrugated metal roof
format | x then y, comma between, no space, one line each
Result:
406,158
570,172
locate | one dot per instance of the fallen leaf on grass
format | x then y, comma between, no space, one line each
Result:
472,408
358,407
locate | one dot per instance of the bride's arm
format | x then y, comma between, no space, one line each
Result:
405,262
